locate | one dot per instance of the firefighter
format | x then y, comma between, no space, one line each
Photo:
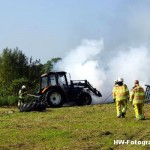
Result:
22,94
120,96
137,98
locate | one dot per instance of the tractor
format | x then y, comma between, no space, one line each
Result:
55,90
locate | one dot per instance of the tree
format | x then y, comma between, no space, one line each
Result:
34,70
13,64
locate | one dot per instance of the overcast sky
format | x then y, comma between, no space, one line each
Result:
45,29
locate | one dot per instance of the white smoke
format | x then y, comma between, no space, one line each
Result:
131,65
84,62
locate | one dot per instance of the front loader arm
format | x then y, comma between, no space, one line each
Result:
86,84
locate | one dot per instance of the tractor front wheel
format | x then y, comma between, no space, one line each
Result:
84,99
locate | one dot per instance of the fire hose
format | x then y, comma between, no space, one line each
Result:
37,96
107,97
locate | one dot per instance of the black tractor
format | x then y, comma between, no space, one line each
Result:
55,90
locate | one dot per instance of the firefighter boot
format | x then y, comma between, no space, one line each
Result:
123,115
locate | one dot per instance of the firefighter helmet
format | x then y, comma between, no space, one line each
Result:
23,87
120,79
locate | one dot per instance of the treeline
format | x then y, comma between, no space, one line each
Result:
17,69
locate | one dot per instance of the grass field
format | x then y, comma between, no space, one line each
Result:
93,127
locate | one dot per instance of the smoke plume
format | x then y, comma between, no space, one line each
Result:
84,62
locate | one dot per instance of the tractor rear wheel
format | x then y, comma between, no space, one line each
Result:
84,99
55,98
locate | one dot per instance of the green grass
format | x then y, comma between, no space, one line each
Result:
93,127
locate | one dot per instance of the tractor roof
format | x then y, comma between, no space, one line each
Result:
51,73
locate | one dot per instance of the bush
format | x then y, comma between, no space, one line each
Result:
12,100
3,101
8,101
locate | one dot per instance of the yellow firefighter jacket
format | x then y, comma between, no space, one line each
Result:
22,93
120,93
137,95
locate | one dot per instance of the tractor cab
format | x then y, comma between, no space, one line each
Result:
53,79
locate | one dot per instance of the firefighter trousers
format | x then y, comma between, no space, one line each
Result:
121,107
139,113
20,102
